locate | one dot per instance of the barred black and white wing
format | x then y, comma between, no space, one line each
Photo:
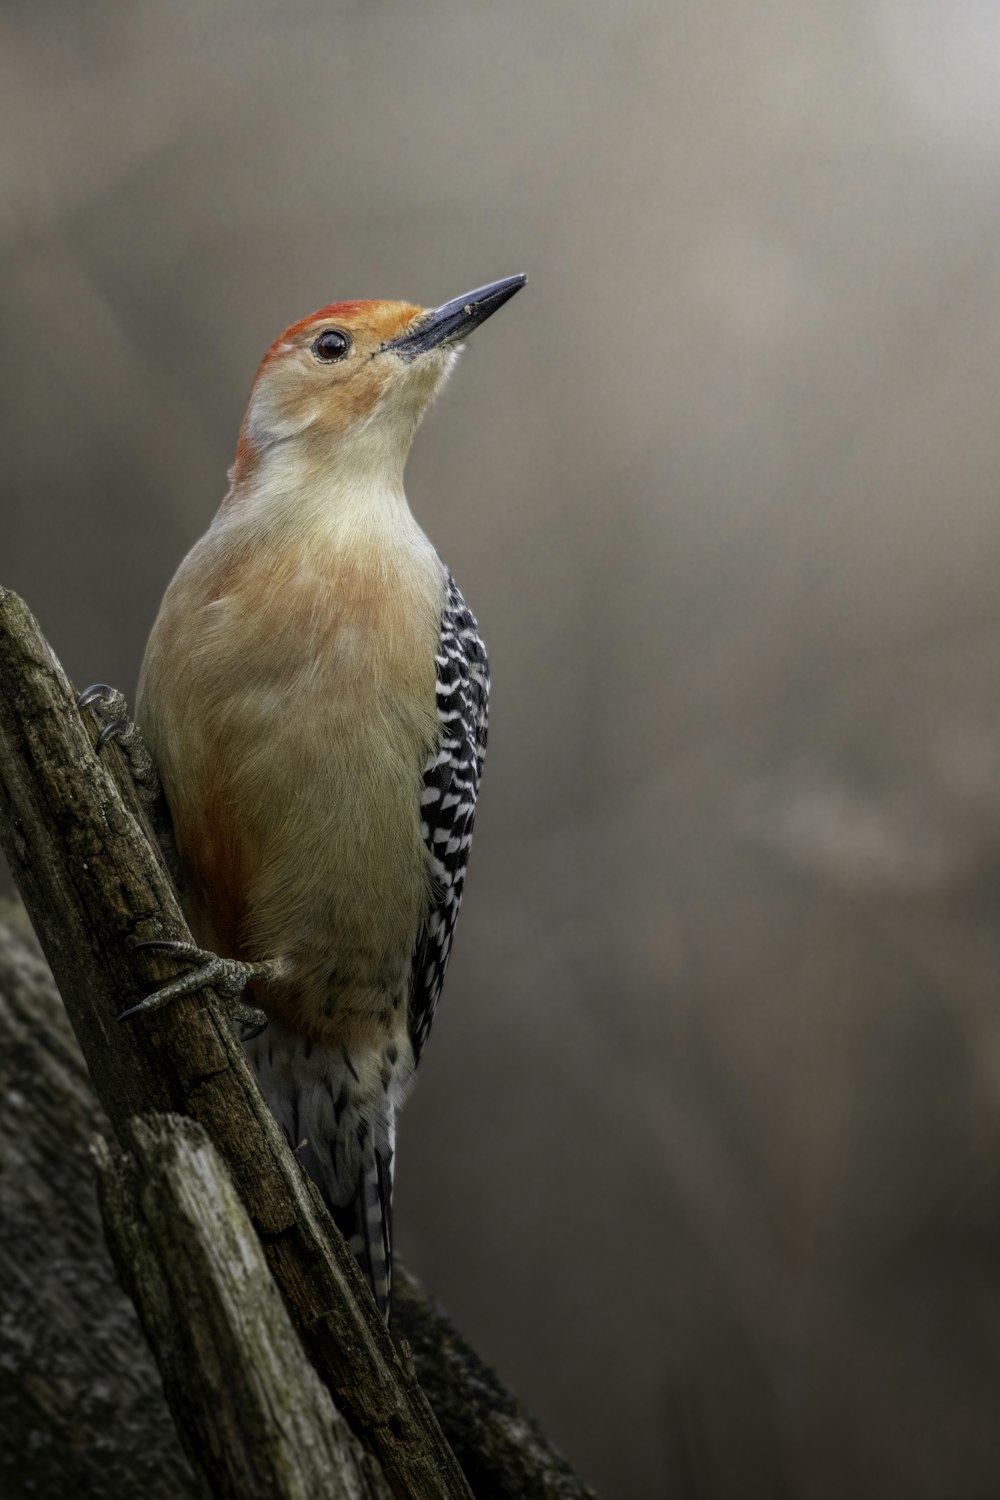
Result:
448,804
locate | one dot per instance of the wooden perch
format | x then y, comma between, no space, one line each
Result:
257,1420
93,885
81,1405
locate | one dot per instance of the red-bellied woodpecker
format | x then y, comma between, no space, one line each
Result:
313,697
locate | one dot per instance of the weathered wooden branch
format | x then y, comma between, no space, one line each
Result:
93,884
258,1422
81,1405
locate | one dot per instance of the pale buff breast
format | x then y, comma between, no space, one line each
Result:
288,699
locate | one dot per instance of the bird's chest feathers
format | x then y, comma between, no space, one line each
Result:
289,697
334,637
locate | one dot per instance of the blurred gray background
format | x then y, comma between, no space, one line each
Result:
705,1150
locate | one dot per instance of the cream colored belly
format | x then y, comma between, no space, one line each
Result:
291,723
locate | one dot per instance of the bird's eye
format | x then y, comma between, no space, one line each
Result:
331,344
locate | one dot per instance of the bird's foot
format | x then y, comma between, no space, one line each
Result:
112,710
229,977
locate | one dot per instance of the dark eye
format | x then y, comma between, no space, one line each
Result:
331,344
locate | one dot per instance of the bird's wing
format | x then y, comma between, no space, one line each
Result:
451,781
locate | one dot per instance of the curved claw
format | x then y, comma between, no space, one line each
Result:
97,692
133,1010
110,732
109,704
111,710
251,1029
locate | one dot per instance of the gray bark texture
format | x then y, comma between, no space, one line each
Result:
93,885
257,1422
81,1406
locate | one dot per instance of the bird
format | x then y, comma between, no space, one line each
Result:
313,699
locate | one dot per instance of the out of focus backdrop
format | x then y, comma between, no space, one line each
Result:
705,1149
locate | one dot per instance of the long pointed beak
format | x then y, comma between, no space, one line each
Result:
453,320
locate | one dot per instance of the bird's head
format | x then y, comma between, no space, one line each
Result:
353,380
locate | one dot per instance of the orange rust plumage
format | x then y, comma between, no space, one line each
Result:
385,319
374,322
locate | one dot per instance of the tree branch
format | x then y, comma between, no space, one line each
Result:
257,1421
81,1405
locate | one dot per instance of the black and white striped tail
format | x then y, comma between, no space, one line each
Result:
366,1224
343,1139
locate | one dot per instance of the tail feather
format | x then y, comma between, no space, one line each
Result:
366,1224
344,1142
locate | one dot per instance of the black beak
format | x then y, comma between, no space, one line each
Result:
453,320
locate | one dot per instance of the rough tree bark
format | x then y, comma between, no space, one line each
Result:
93,884
81,1407
258,1422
